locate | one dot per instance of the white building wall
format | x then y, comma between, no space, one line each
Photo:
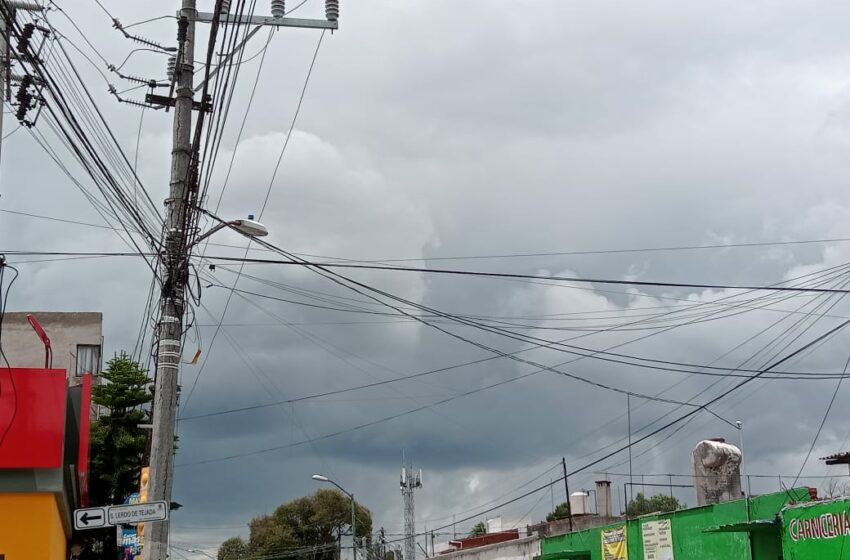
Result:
519,549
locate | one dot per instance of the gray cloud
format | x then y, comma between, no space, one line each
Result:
432,129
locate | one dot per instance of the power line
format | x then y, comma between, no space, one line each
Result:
822,422
262,208
604,251
484,274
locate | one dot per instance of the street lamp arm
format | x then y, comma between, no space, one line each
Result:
217,228
322,478
343,490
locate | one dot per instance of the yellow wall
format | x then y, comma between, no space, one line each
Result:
30,527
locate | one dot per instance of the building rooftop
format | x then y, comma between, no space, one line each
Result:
842,458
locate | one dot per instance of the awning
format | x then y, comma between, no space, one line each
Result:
757,526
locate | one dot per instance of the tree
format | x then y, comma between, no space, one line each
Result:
562,511
479,530
233,549
117,442
659,503
313,522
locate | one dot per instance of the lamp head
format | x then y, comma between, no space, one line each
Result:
321,478
250,227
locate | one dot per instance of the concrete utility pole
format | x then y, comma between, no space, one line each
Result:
172,299
177,249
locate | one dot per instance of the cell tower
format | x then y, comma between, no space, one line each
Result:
410,481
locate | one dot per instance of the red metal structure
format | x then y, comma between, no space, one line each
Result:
32,417
39,330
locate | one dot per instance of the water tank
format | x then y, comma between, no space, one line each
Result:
717,472
578,503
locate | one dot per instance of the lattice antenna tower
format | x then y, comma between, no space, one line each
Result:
410,481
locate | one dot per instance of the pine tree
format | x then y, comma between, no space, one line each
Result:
117,442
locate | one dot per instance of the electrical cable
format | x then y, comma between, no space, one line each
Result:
345,281
4,301
484,274
262,209
820,427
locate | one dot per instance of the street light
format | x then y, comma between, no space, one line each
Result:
170,330
322,478
248,227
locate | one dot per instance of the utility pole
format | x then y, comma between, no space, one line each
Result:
177,249
172,297
629,416
567,488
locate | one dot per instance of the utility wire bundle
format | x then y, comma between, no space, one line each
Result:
54,86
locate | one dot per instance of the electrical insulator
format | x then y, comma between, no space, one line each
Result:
172,64
182,30
278,8
225,7
332,10
24,39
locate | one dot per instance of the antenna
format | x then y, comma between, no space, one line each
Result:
410,481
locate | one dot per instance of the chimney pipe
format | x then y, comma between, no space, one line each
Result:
603,498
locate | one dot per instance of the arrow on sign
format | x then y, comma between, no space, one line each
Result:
85,518
89,518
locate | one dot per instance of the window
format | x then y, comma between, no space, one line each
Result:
88,359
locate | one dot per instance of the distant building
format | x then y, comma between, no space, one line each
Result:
76,339
507,545
756,528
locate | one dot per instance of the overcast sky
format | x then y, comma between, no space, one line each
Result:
438,129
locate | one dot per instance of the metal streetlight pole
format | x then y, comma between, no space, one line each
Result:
746,479
322,478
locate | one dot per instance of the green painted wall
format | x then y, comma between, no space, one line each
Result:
817,530
689,540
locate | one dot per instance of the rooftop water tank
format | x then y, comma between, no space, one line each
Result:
578,503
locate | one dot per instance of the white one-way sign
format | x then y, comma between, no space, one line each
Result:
130,514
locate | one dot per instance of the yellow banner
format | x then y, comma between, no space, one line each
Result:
614,544
143,498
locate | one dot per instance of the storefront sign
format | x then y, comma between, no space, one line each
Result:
824,526
657,540
817,530
614,546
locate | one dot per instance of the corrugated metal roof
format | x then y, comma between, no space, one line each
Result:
837,459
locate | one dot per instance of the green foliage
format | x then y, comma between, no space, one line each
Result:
479,530
659,503
312,521
117,443
562,511
233,549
